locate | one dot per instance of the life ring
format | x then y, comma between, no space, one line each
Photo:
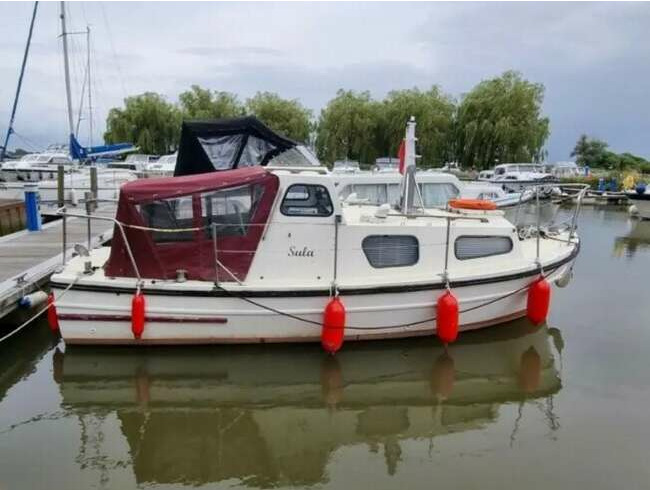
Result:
481,204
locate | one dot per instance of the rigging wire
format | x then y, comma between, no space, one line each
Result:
113,52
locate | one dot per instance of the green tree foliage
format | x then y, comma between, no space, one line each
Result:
595,153
200,103
148,121
434,113
348,128
500,120
590,151
287,117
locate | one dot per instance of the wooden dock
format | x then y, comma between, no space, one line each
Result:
28,259
12,216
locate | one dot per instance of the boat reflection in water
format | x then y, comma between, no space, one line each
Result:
275,416
637,239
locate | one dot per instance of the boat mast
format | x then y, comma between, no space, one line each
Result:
66,67
10,128
86,83
409,187
90,98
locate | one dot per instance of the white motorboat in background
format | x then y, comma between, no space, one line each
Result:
485,175
346,166
515,177
162,167
436,188
251,255
76,184
35,167
562,170
136,162
386,164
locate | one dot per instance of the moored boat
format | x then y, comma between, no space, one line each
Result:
517,177
436,189
256,255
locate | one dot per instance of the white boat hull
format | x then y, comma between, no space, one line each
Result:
192,317
76,185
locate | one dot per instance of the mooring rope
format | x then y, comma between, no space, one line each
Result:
38,313
382,327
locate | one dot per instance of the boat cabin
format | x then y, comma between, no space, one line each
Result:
379,188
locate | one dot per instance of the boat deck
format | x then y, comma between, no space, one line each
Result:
27,259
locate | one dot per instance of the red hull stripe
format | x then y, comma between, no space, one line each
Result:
127,318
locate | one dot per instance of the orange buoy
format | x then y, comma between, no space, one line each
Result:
480,204
333,325
52,317
539,299
447,317
137,314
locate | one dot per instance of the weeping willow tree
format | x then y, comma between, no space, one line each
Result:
434,113
500,120
148,121
348,127
202,103
286,116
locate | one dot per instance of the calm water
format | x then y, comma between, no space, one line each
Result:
564,406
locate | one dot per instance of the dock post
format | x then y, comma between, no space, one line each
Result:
93,184
88,198
31,207
60,186
64,230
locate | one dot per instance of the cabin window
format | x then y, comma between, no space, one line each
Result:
230,210
391,250
474,247
437,194
169,215
307,200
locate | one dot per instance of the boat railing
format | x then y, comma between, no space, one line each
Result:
90,204
539,230
570,223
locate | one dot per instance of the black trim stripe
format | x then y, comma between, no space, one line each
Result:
324,292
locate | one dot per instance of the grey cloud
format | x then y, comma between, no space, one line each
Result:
236,51
591,57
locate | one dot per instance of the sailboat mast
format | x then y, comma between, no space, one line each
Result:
66,67
10,128
90,97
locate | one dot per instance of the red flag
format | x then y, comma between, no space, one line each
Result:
401,154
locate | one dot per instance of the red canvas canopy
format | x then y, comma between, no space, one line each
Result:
185,213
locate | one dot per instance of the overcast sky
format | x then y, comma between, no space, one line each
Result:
593,58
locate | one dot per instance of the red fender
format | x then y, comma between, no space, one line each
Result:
333,325
447,317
